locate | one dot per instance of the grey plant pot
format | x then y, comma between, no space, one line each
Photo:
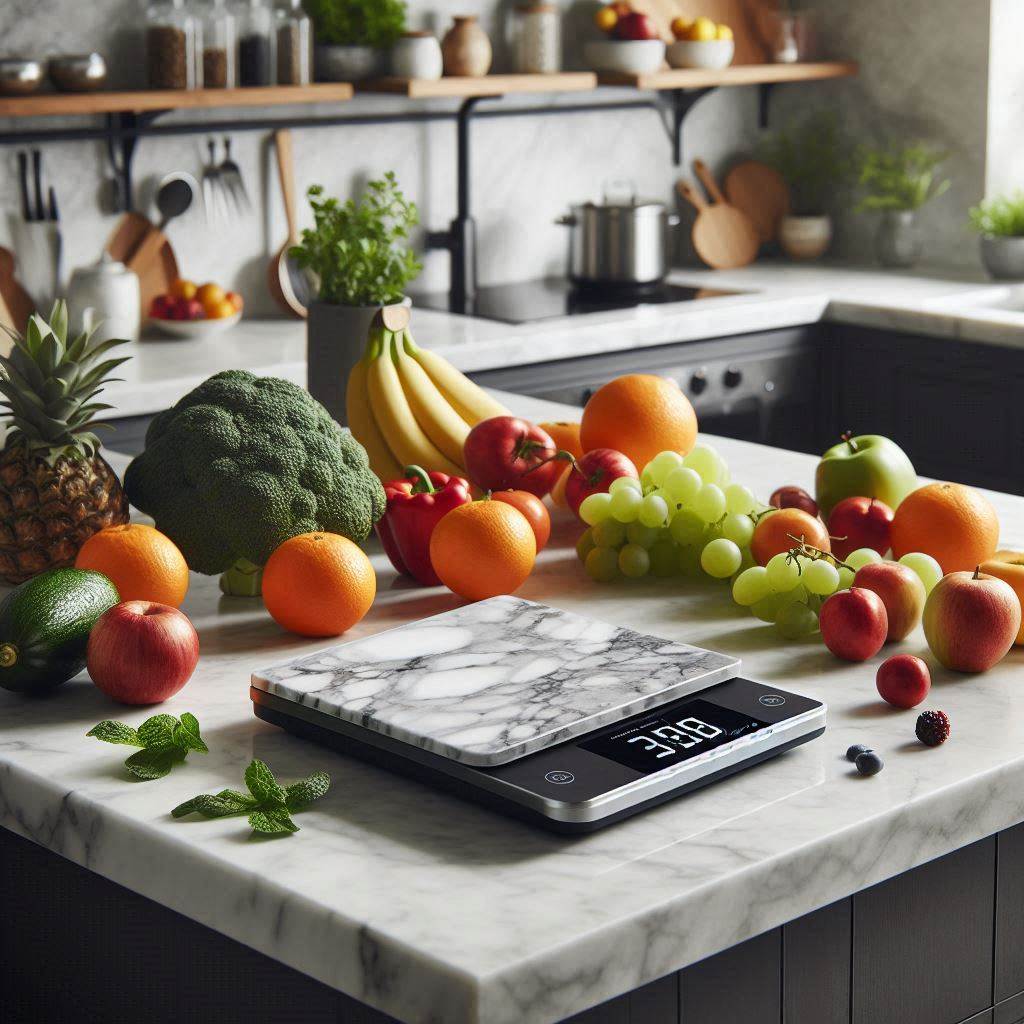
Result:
335,340
898,241
1003,257
346,63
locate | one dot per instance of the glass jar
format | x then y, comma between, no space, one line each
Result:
537,39
256,44
294,45
219,43
170,46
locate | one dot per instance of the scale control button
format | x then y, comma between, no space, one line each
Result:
771,700
560,778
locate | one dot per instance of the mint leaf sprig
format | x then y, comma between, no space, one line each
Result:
268,804
165,742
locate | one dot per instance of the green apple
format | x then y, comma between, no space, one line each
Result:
869,466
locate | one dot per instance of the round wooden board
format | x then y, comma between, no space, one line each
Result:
761,193
724,237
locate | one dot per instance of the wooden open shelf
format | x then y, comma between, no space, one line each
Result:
56,104
736,74
485,85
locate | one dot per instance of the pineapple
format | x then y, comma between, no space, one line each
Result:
55,489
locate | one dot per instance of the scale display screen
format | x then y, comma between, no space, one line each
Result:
671,735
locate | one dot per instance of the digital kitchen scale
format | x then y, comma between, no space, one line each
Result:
565,721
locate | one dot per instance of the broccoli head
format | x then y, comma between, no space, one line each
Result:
243,463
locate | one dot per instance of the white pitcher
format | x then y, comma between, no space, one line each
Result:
106,293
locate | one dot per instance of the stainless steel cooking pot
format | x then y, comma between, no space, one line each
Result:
619,243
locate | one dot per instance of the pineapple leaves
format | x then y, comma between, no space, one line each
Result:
59,320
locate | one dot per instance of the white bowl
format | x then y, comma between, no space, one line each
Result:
627,56
712,55
193,329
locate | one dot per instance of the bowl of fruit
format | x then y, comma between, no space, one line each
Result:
700,43
189,310
632,45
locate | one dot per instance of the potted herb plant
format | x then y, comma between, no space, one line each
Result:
359,252
898,181
812,157
1000,222
352,36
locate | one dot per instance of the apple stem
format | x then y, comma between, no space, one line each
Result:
847,436
8,655
977,572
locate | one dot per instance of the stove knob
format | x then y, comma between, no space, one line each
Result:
699,382
733,377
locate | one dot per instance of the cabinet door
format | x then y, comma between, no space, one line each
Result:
1009,919
923,944
816,966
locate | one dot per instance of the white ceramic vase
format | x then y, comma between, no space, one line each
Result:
805,238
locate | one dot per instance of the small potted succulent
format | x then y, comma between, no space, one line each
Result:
354,36
1000,222
359,252
898,181
813,159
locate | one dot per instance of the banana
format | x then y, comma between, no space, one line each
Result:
405,437
364,427
439,420
470,401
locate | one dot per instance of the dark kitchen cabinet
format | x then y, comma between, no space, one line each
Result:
1009,930
954,407
816,966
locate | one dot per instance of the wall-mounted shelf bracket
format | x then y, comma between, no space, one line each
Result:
676,105
764,99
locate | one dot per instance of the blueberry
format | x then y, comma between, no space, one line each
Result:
869,763
855,751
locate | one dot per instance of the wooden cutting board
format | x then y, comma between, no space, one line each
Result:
750,21
158,266
761,193
16,305
723,237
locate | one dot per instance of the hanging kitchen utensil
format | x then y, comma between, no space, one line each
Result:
288,282
173,198
26,205
723,237
156,275
213,187
38,210
17,302
231,176
761,193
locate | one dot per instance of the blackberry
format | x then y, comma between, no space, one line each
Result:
855,750
869,763
932,728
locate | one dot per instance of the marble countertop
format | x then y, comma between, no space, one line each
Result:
773,295
434,910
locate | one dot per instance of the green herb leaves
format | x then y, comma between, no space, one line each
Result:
165,742
269,805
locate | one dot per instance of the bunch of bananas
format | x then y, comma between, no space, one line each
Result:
408,406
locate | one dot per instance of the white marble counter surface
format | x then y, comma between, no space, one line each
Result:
434,910
775,295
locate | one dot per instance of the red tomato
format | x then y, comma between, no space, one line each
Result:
533,508
506,453
594,473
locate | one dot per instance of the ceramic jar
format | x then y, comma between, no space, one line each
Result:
805,238
417,55
537,39
466,49
105,294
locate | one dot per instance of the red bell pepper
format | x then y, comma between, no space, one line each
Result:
416,504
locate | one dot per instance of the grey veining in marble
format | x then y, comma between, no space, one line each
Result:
493,681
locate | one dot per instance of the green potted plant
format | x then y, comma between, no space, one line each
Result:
358,250
352,36
1000,222
812,157
898,180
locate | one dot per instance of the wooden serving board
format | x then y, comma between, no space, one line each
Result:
750,21
159,267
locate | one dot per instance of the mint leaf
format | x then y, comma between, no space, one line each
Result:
158,731
273,821
302,794
185,734
154,762
115,732
220,806
262,784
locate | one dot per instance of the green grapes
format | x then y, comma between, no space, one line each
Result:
845,578
821,577
622,483
682,484
783,573
634,561
704,461
653,511
720,558
739,499
710,503
661,465
609,533
689,560
795,620
602,564
861,557
925,566
643,536
687,528
767,608
595,508
664,558
585,544
738,527
625,505
751,586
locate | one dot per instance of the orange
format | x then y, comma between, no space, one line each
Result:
534,509
483,549
318,584
954,524
140,561
219,310
775,531
639,415
209,294
182,289
606,18
567,437
1009,567
236,300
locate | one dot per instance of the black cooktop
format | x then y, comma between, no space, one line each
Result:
525,301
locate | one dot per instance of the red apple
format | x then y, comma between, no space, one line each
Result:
971,620
636,26
194,310
854,624
141,652
162,308
794,497
506,453
594,473
903,681
901,591
860,523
